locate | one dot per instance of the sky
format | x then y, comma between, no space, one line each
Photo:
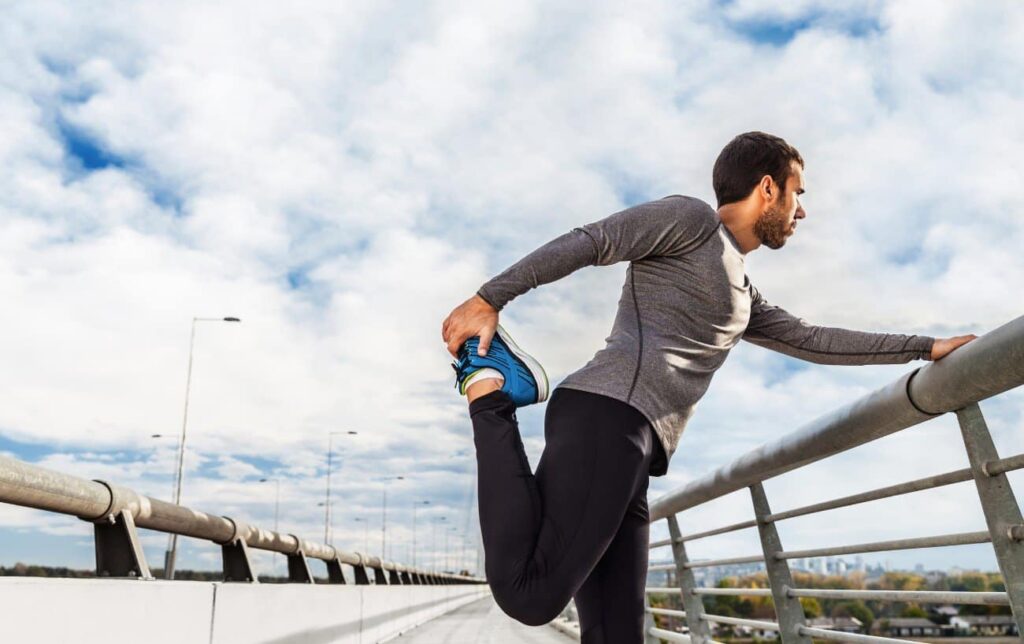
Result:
341,175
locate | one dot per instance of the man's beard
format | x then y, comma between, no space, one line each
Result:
772,227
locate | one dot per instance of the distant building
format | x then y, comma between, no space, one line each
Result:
909,627
841,624
933,577
989,625
943,613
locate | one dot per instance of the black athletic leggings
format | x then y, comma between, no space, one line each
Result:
578,528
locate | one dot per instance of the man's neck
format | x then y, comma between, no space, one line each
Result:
739,218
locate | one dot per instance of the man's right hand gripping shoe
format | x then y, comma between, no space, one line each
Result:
525,380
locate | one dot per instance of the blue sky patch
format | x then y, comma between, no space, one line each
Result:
781,32
87,151
298,278
24,450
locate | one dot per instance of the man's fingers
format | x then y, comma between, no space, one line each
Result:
453,348
485,341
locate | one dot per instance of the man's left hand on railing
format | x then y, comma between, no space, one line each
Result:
943,346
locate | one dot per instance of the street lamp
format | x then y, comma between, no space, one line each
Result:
277,507
384,515
433,542
172,546
277,498
415,505
327,500
161,436
451,528
366,534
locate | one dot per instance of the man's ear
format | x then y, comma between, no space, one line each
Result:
766,186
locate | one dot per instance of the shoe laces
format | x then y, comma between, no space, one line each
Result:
461,365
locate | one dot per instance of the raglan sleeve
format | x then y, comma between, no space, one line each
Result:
669,226
774,328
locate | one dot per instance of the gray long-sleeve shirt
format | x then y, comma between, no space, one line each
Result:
685,303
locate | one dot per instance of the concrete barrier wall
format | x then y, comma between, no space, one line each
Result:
94,610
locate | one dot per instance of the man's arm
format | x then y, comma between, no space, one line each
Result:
776,329
670,226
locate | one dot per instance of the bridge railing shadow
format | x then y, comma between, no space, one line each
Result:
986,367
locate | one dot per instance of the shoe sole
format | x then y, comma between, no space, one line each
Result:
535,368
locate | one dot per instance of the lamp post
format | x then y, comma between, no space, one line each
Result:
384,516
415,505
172,546
277,508
277,498
366,534
328,504
450,529
159,436
327,499
433,542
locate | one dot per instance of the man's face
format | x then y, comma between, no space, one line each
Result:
778,221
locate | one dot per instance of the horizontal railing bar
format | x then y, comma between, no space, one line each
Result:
660,544
958,539
925,596
1004,465
927,483
36,487
736,592
724,562
839,636
739,621
660,567
668,612
710,533
650,590
668,635
978,370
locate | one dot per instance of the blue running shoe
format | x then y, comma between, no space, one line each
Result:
525,380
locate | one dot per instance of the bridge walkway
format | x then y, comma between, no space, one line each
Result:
480,622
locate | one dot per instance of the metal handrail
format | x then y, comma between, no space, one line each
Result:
988,366
104,503
981,369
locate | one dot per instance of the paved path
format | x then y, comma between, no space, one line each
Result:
481,622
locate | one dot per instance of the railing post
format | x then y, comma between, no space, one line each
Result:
298,569
700,632
379,577
999,503
649,623
406,578
334,572
236,562
362,579
787,609
393,578
118,551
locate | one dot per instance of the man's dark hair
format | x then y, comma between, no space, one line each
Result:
747,158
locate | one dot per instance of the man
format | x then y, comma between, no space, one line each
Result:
579,526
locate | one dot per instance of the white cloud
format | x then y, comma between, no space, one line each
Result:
387,159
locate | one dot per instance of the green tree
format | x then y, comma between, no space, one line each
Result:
811,606
913,610
856,609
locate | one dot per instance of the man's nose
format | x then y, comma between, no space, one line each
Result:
800,212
